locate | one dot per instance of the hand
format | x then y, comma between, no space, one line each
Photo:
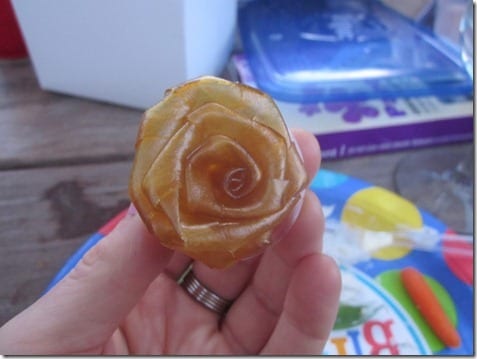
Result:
123,296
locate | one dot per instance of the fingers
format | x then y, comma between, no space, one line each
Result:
177,265
88,304
310,150
230,282
309,310
264,298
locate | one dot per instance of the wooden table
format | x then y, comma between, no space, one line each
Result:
64,168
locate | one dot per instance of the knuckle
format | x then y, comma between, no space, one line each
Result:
89,262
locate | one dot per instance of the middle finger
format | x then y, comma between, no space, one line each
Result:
230,282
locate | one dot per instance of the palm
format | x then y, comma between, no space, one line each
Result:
279,295
116,302
166,321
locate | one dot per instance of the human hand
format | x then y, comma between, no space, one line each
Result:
123,296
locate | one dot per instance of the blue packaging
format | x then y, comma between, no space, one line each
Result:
331,50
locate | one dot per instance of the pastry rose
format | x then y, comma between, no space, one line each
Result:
215,171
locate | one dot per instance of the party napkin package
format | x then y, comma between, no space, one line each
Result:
377,314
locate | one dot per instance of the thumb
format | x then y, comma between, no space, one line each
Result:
83,310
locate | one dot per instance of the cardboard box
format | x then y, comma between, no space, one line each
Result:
126,52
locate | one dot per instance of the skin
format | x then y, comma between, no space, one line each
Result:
122,298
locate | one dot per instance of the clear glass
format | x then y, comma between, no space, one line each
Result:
441,179
443,187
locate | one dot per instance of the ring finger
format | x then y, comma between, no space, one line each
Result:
229,283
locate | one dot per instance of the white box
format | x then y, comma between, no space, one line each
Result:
126,52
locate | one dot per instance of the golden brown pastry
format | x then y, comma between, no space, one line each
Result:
215,171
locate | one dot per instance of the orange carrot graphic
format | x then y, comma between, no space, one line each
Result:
428,305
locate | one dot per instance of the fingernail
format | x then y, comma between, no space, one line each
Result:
132,211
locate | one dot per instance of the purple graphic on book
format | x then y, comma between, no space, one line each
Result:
392,110
353,112
309,109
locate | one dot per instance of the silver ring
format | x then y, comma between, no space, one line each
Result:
204,295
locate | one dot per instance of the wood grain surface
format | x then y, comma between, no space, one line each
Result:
39,128
64,168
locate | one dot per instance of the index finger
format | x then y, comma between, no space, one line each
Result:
87,305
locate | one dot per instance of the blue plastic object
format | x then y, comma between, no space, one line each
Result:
309,51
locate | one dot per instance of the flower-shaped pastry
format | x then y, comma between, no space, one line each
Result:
216,171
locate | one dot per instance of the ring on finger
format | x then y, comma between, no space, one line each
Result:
203,295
